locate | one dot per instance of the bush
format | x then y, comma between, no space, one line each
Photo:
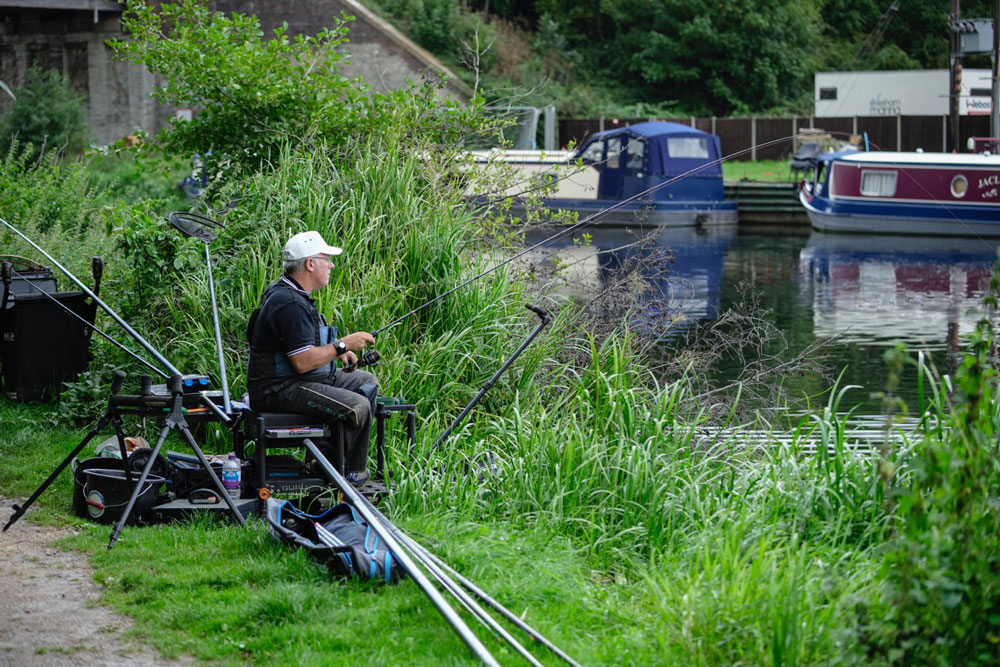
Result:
47,114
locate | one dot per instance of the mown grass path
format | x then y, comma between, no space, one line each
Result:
49,611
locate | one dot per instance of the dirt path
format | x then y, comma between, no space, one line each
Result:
48,605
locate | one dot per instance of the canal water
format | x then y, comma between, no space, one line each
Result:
861,293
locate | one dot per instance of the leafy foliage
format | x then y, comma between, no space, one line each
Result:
943,567
46,114
251,94
667,57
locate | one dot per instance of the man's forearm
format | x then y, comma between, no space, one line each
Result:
312,358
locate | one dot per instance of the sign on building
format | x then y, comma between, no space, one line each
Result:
899,93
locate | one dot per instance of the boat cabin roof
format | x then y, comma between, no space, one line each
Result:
889,158
671,148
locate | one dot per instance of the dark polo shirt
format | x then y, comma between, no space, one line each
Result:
287,323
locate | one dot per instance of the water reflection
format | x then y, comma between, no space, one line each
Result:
681,270
921,291
867,292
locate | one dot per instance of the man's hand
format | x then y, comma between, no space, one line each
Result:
348,360
356,342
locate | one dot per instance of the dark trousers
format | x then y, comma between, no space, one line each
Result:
339,402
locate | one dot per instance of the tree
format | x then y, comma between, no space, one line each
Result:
47,114
251,94
706,56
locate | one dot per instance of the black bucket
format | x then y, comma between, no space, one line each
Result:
105,493
79,468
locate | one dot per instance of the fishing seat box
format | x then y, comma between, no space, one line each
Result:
277,430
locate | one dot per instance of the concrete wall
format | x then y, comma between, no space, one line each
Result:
379,53
117,93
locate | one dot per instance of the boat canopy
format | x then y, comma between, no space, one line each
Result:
671,149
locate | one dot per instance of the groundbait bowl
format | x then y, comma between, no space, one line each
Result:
104,493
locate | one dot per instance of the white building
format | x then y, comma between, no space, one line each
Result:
900,93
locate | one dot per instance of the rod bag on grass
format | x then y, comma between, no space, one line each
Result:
338,538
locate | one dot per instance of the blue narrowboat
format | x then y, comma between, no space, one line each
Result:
669,174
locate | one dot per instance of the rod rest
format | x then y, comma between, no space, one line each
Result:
154,401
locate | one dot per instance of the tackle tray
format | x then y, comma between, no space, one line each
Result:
184,509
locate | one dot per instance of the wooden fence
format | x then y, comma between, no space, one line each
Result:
771,138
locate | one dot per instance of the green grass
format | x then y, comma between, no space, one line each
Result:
777,171
623,548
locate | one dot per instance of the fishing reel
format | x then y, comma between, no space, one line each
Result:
369,358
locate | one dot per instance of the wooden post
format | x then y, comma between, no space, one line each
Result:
753,138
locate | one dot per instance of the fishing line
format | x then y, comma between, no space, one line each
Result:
583,223
549,177
86,323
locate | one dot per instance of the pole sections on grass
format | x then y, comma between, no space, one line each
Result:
427,556
357,500
421,555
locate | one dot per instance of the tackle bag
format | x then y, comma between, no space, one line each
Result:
338,538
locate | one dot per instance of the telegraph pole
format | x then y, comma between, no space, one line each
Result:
954,87
995,106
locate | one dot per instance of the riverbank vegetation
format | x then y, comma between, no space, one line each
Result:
612,522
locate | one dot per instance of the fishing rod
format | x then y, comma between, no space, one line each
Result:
581,224
545,319
132,332
69,311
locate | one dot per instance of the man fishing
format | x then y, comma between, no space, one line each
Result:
294,354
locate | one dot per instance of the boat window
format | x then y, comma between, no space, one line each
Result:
959,186
696,147
594,152
636,155
878,183
827,93
615,152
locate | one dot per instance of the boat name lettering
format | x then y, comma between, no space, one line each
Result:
993,179
990,194
881,106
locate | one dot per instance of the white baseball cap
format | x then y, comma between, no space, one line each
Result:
308,244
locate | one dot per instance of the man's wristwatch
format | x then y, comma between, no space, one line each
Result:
340,346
